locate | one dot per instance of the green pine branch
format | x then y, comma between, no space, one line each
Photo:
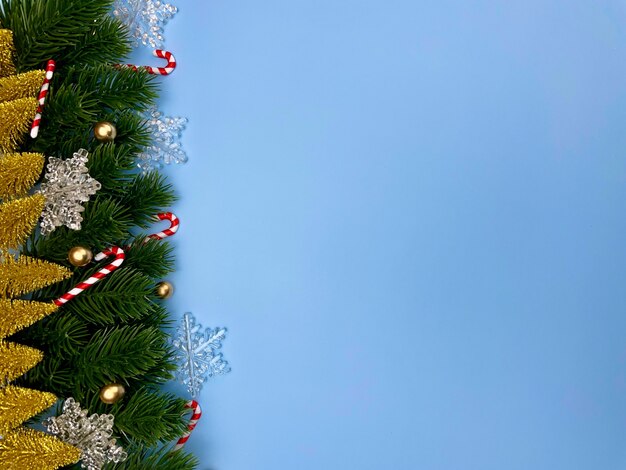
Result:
147,416
163,459
57,29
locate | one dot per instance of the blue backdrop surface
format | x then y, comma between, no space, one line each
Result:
411,217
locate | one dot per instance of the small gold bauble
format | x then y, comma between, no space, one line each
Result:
80,256
112,393
104,131
164,290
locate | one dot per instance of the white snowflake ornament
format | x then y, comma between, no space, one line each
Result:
145,19
66,186
166,147
90,434
197,354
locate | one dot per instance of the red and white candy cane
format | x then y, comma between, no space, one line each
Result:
108,269
168,232
195,417
43,93
169,68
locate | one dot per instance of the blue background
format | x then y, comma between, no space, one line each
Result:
410,216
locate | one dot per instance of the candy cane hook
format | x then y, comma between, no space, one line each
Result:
41,99
195,417
108,269
169,68
174,222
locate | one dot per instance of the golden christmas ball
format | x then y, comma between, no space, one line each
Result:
164,290
79,256
112,393
104,131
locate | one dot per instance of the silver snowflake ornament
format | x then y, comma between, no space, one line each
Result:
66,186
197,355
90,434
145,19
166,147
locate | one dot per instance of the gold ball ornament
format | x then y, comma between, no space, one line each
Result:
79,256
104,131
112,393
164,290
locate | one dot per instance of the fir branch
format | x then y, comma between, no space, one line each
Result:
153,258
61,335
117,354
122,297
164,459
53,374
147,195
58,28
117,88
105,222
145,416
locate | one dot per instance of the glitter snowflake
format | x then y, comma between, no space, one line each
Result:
145,19
166,147
197,353
67,184
90,434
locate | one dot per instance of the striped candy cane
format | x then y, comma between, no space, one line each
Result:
168,232
195,417
169,68
43,93
116,263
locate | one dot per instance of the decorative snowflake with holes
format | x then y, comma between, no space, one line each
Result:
90,433
197,353
166,147
145,19
67,185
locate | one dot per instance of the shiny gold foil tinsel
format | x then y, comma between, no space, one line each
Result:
16,360
18,219
15,119
18,173
25,274
6,53
24,85
18,314
27,449
18,404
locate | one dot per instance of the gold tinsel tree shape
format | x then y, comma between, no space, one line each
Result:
23,85
17,220
18,404
22,448
15,120
18,173
6,53
27,449
18,96
16,360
